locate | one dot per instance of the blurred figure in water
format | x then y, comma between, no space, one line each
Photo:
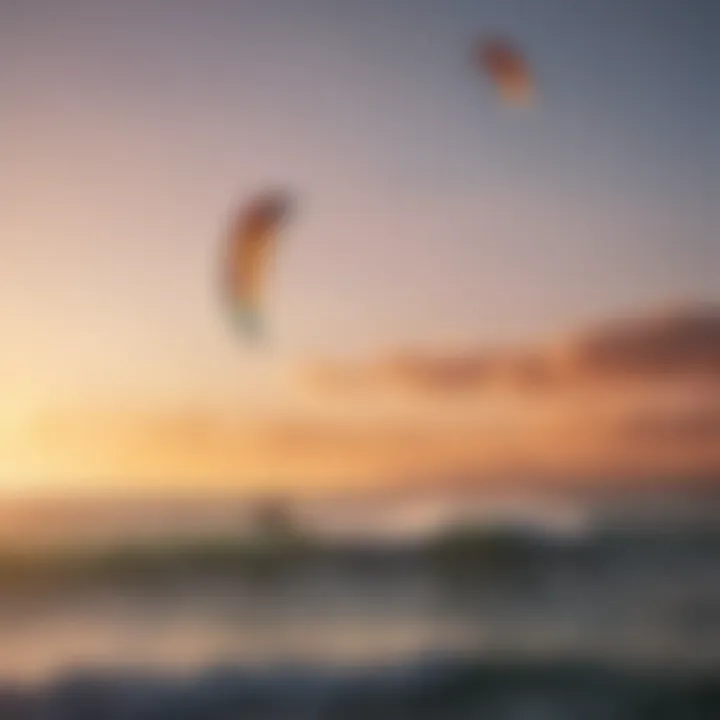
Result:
276,538
273,523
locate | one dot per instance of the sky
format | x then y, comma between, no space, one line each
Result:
430,216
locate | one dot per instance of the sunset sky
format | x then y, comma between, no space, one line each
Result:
432,220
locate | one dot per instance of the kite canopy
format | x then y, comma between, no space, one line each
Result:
251,249
507,69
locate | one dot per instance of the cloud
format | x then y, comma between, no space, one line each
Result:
679,346
684,343
437,374
631,398
697,426
189,450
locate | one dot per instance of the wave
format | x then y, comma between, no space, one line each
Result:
442,689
